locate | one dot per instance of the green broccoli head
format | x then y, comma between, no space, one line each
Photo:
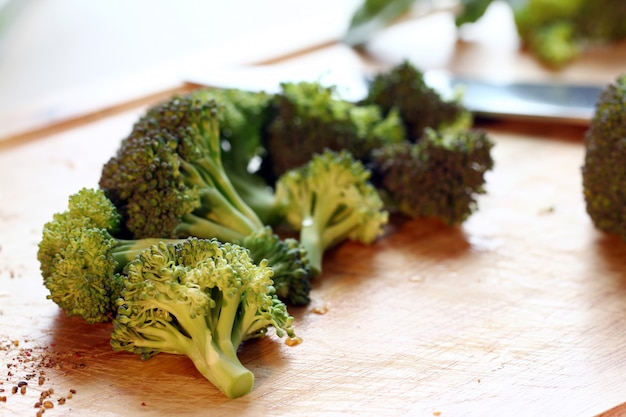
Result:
330,200
603,171
309,118
439,177
168,180
199,298
403,89
289,261
80,259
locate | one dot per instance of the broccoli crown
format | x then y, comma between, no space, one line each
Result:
603,171
81,261
439,177
309,118
199,298
403,88
168,180
329,200
288,259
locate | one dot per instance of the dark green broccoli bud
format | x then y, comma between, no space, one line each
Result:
168,180
81,261
288,259
403,88
603,171
439,177
330,200
309,118
244,116
203,299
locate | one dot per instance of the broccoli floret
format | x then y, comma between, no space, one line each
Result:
244,116
439,177
330,200
199,298
309,118
603,171
168,179
289,261
403,88
81,261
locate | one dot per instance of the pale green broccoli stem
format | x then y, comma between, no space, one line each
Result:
216,360
193,225
222,199
320,230
127,250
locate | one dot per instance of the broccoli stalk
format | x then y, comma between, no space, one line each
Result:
168,179
243,118
80,259
330,200
199,298
603,171
440,176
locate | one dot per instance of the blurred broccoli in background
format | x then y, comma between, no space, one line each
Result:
558,31
604,168
554,31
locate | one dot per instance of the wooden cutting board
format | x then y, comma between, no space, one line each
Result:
518,312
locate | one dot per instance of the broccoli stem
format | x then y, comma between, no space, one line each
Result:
193,225
311,240
215,359
127,250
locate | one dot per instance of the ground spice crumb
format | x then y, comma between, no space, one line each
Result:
143,404
23,389
3,399
14,389
293,341
40,412
42,379
22,383
37,404
61,400
73,391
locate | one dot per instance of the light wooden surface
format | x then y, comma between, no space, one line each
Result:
518,312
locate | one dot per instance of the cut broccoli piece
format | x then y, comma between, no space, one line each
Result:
81,261
289,261
168,180
309,119
603,171
202,299
439,177
330,200
403,88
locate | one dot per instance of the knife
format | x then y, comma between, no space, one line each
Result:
532,101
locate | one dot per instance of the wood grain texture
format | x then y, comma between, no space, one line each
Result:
518,312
